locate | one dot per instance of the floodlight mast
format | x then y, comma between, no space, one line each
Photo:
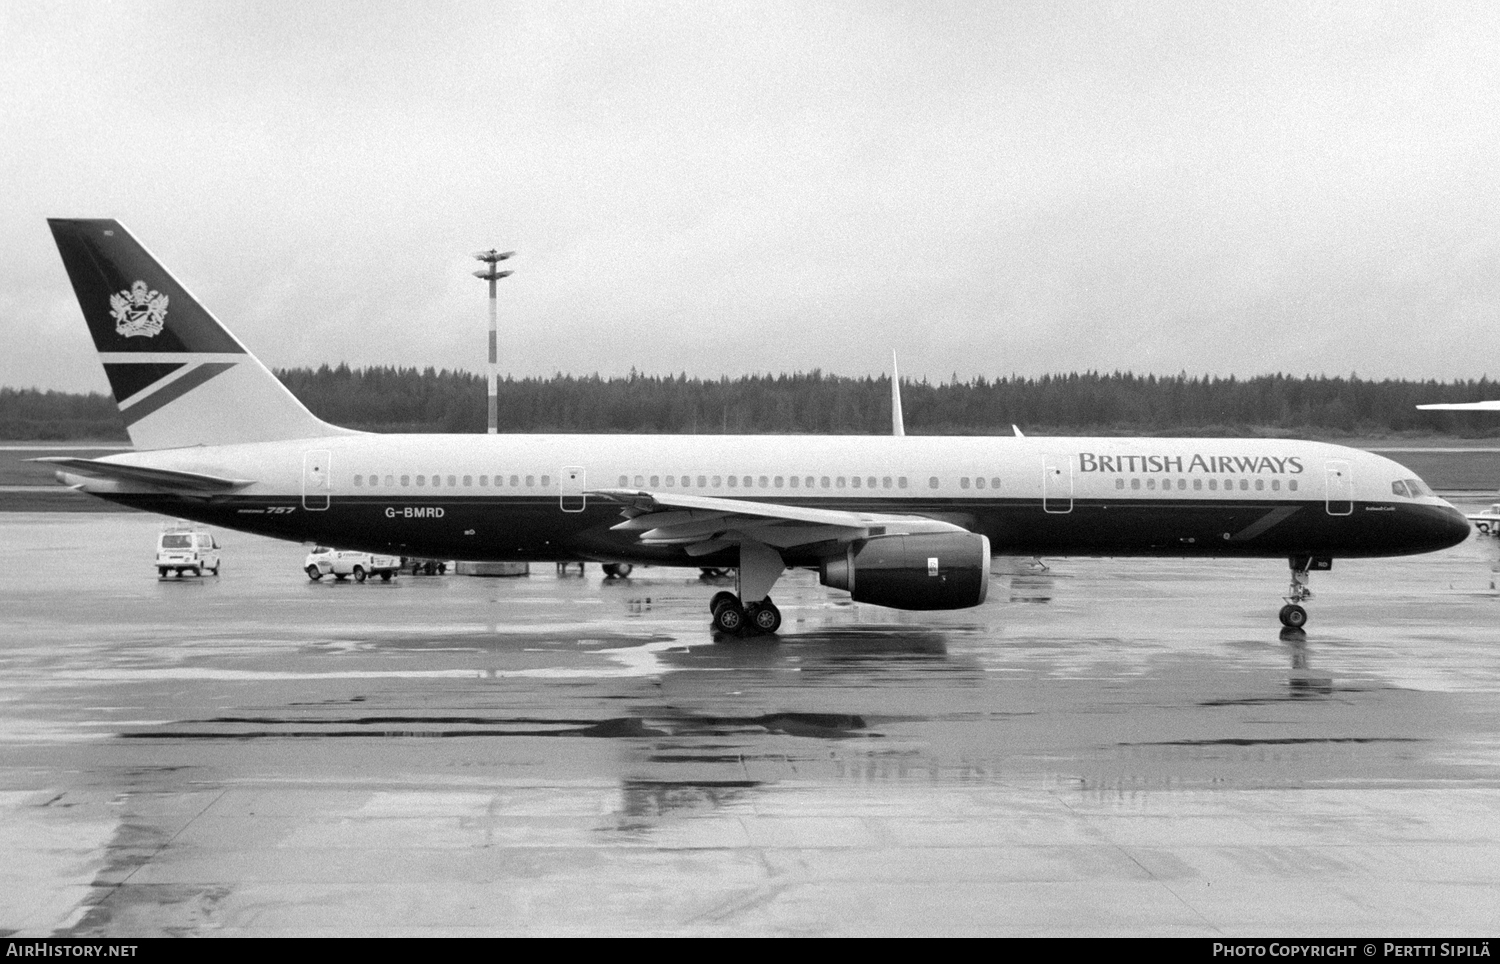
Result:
490,274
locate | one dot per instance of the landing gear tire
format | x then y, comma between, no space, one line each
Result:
359,573
729,618
765,617
720,598
1293,616
617,570
314,573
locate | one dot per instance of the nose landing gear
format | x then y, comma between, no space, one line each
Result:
1292,615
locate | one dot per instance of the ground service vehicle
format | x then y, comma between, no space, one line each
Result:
341,564
186,548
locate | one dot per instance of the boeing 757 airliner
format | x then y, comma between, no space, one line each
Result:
901,521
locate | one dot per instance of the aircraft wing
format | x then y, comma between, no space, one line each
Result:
165,478
1492,406
703,524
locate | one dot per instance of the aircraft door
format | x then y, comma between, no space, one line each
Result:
1340,487
571,486
1057,483
316,484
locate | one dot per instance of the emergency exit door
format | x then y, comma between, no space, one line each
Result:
570,493
1340,487
1057,483
316,483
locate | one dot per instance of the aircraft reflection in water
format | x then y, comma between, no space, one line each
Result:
895,521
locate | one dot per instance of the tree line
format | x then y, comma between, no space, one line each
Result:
400,399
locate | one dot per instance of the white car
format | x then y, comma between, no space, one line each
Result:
1487,521
340,564
183,549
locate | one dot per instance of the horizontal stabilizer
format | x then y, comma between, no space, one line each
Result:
165,478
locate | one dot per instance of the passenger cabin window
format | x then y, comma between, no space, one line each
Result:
359,480
932,482
1292,484
963,483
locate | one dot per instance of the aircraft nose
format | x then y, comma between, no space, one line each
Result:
1449,527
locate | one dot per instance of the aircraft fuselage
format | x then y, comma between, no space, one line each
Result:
534,497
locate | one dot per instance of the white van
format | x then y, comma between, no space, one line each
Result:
185,548
323,561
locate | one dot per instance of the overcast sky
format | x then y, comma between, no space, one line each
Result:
723,188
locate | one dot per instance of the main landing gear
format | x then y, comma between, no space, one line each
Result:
760,567
734,618
1292,615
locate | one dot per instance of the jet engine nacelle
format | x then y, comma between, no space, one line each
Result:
937,570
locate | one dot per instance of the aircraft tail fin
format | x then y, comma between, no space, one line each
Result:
179,377
898,424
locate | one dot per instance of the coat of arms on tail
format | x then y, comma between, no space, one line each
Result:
138,311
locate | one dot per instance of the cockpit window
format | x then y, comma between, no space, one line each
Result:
1411,488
